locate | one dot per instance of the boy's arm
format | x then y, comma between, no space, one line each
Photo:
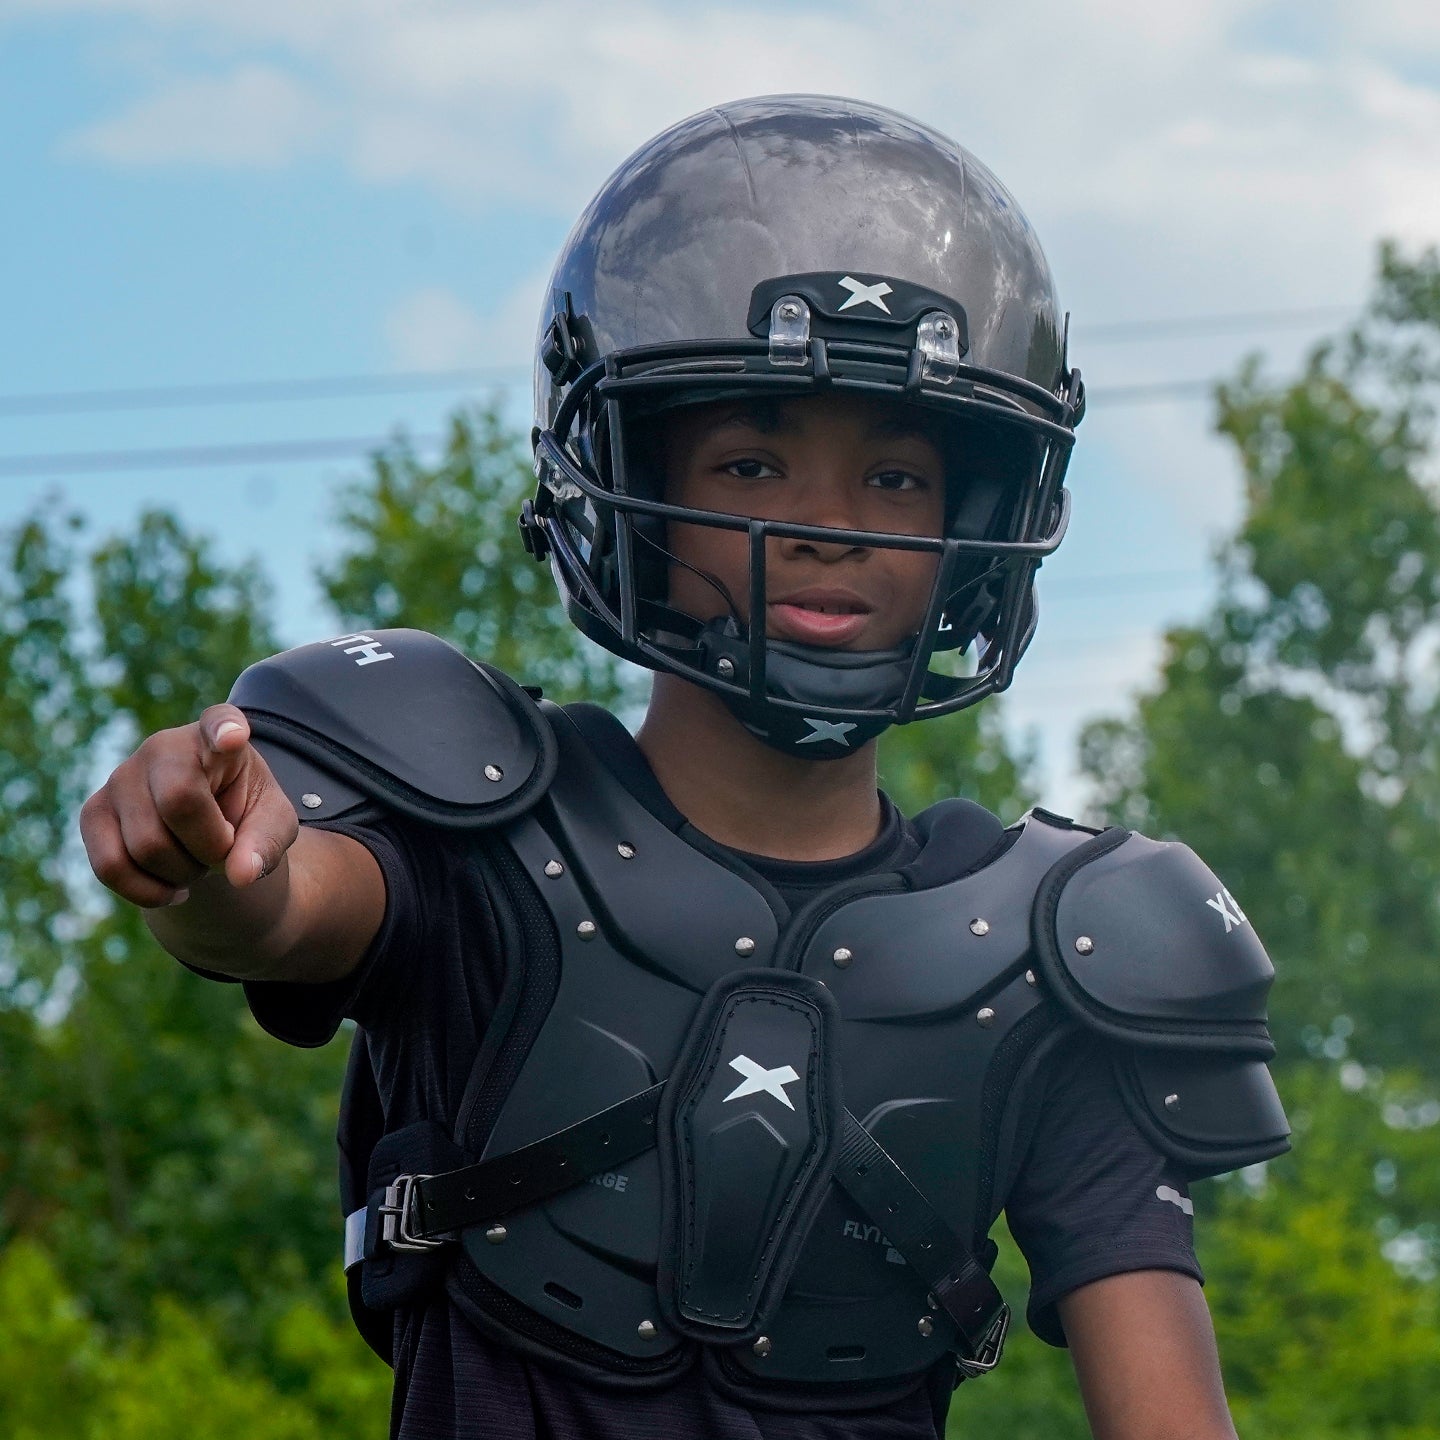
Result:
194,829
1144,1352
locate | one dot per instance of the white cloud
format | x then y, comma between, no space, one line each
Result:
433,328
256,116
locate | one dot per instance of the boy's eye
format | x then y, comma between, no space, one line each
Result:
896,480
748,469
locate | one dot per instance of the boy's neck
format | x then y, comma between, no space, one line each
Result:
744,794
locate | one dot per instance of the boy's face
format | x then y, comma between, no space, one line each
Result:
848,463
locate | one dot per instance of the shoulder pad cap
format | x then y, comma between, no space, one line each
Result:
1141,941
400,720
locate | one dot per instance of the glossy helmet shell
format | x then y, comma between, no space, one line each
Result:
915,274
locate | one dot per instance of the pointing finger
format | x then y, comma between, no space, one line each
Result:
266,831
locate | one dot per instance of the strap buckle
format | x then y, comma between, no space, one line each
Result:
399,1212
987,1356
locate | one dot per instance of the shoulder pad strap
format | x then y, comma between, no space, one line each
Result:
401,720
1142,942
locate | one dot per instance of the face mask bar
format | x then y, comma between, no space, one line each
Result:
632,624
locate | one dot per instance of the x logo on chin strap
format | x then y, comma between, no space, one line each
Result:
758,1078
835,730
862,294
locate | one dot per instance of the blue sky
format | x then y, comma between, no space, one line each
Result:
196,191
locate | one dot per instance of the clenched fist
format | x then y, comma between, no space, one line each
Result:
188,801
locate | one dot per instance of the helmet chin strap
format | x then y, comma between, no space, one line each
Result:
807,675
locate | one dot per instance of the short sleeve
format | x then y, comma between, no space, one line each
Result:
309,1015
1093,1196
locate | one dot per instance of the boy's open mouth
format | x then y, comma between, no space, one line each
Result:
819,617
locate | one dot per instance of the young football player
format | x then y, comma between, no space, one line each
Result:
690,1076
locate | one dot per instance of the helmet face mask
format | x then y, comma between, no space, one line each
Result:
648,265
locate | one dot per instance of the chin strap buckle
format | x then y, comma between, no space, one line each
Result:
939,341
790,332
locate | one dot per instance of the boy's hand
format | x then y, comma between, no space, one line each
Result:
188,801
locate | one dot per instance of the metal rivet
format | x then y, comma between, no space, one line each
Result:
647,1330
979,926
1030,978
744,946
554,868
985,1016
942,329
625,852
1085,945
494,772
932,1302
586,929
789,310
762,1346
311,801
496,1233
724,668
842,957
1172,1102
926,1326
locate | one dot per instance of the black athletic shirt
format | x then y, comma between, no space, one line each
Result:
1083,1201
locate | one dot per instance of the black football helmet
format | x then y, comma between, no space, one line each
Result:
779,247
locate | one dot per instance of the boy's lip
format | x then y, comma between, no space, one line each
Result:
820,615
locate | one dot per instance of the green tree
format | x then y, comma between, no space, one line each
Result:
1292,736
158,1143
435,547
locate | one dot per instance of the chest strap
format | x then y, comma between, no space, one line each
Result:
425,1212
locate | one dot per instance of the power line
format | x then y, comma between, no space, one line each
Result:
199,457
280,452
325,387
1128,331
399,382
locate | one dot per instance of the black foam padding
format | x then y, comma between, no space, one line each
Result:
1211,1113
748,1131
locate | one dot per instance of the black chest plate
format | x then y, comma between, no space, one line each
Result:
938,1009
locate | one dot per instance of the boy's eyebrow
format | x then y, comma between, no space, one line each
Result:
774,419
768,419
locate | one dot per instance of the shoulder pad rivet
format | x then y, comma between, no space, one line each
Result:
1030,978
554,868
979,926
647,1330
311,801
744,946
926,1326
586,929
496,1233
494,772
985,1016
842,957
724,668
625,852
1084,944
1172,1102
762,1346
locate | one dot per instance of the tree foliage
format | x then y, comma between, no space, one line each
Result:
168,1226
1292,737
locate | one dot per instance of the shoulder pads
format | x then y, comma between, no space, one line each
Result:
1142,943
399,720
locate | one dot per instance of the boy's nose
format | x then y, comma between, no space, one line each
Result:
832,503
